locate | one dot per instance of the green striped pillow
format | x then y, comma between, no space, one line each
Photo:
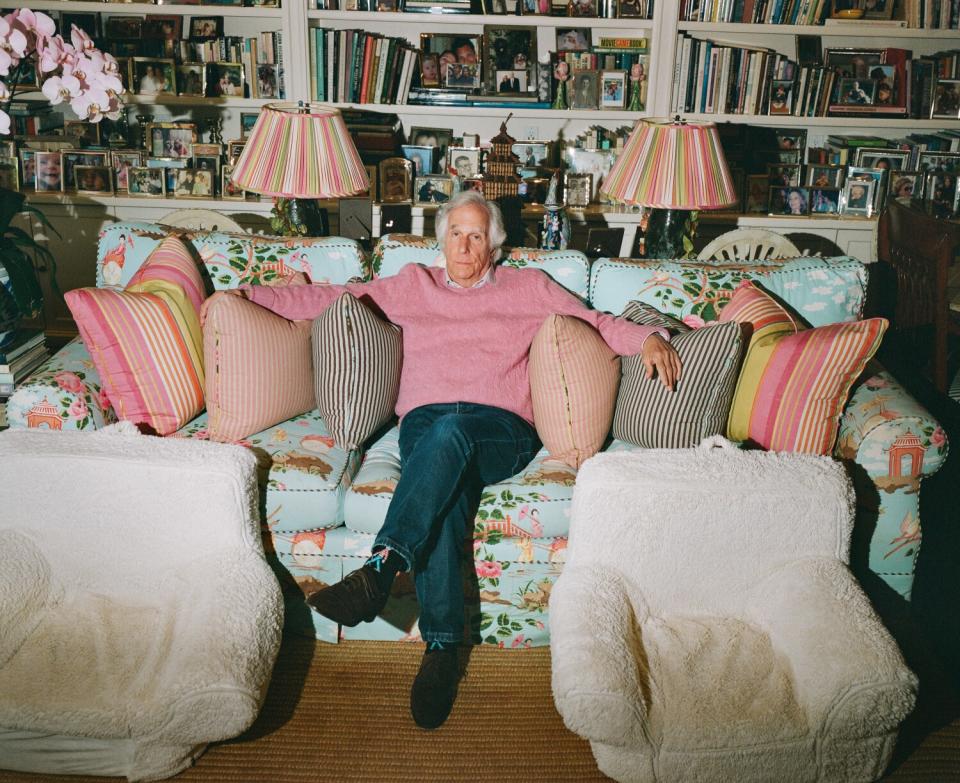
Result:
650,415
357,358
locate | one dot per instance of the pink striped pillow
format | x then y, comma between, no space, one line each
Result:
259,368
146,342
804,386
574,376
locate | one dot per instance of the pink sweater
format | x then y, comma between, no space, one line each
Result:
461,344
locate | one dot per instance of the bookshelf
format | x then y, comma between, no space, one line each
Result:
79,217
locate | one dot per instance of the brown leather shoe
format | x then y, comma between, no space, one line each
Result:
356,598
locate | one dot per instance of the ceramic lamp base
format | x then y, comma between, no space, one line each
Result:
300,217
670,233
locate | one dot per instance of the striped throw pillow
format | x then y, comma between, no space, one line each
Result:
258,367
767,323
574,377
145,341
650,415
794,391
357,358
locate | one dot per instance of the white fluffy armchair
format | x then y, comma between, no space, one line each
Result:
139,620
706,627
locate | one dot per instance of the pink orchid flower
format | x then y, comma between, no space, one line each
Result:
61,88
35,22
91,104
81,40
53,53
4,123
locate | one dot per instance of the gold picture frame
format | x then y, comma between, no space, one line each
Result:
396,180
170,139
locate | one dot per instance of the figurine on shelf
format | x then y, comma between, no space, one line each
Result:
637,77
555,229
215,129
562,72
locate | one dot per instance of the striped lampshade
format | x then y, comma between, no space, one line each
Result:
300,151
671,165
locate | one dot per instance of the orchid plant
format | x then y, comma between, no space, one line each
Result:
76,72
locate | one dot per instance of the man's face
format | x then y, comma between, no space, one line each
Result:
466,54
467,245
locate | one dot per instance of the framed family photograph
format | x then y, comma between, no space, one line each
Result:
10,174
432,137
223,79
512,48
905,185
422,157
581,8
824,176
124,27
72,159
856,92
824,201
573,39
462,75
857,198
757,194
940,194
448,50
877,158
228,189
946,99
94,179
193,183
433,189
396,180
234,150
511,82
122,161
781,96
578,189
164,27
49,172
28,166
429,69
146,182
878,9
464,161
613,89
190,79
532,153
584,92
784,174
268,80
152,76
790,201
247,120
170,139
206,28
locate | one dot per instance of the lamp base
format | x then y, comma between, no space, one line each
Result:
303,217
670,233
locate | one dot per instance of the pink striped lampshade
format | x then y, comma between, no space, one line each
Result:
671,165
300,151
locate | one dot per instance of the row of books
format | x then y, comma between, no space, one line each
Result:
932,14
267,47
800,12
354,66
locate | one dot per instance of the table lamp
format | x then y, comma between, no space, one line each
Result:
677,168
298,153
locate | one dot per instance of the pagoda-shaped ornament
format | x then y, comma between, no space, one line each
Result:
500,169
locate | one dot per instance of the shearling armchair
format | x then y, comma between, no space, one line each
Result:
139,620
706,626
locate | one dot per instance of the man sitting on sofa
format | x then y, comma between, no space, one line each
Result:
466,418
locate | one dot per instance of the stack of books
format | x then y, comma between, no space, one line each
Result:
26,352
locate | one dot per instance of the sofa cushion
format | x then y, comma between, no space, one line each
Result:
533,503
767,321
146,342
650,415
357,358
259,370
231,259
821,290
574,377
791,396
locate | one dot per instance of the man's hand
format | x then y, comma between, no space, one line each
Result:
661,358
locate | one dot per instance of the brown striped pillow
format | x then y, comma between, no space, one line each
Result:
257,365
574,376
357,358
650,415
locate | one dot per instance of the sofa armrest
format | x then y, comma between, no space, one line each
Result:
597,679
848,673
231,617
890,443
65,393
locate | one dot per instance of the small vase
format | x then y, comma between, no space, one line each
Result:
560,102
635,103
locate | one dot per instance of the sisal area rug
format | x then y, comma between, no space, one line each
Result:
340,713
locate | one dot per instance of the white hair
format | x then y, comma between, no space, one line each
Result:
496,233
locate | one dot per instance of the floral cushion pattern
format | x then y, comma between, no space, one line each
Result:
230,259
822,290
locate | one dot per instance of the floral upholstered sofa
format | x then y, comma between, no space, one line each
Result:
322,505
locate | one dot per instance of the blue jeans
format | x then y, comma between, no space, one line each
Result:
449,452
